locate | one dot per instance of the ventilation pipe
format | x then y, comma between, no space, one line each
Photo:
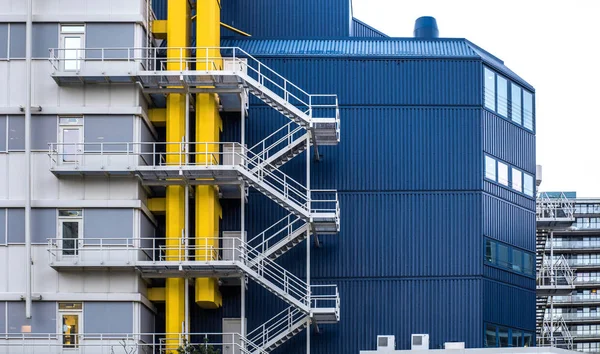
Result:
426,28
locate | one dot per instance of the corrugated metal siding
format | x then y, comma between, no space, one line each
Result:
509,277
508,142
400,48
386,82
361,29
288,19
508,305
509,195
160,9
508,223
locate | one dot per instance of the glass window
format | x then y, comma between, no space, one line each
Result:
517,338
490,168
503,173
517,260
503,256
490,336
528,184
528,265
527,110
490,89
515,104
502,86
517,180
527,339
490,251
72,28
503,337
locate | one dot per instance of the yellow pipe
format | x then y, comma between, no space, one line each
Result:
238,31
208,128
178,14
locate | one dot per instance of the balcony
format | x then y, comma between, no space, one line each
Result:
571,245
554,212
577,299
581,317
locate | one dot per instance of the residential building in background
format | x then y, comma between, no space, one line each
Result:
578,244
301,190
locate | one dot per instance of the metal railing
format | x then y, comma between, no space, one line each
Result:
555,333
135,156
137,252
555,272
280,325
126,343
549,207
572,244
277,141
283,229
581,298
582,316
151,61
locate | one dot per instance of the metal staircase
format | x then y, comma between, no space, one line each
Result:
314,119
555,333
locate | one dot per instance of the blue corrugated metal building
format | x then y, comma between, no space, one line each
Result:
435,171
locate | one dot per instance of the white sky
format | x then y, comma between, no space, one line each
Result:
554,45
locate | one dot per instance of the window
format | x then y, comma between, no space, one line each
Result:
502,96
490,336
502,173
490,89
517,260
490,168
70,324
517,180
503,256
515,110
70,136
69,231
528,184
527,110
71,46
528,265
503,337
517,338
490,251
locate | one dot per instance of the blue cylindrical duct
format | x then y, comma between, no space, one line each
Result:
426,27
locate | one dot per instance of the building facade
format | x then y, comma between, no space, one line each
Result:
579,245
307,188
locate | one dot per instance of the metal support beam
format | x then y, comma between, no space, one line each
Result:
28,260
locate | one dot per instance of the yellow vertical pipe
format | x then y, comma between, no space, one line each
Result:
208,127
178,18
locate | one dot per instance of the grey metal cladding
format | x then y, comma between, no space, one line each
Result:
108,129
109,35
146,320
2,133
2,226
17,41
43,317
16,226
43,225
43,131
16,133
3,40
3,317
107,223
108,317
45,36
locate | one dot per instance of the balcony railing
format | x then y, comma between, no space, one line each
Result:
572,244
577,299
583,316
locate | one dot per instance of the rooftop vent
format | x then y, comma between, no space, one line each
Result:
426,28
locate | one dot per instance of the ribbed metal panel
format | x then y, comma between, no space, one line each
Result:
508,194
288,19
361,29
447,309
508,277
508,223
160,9
398,234
401,48
508,305
508,142
407,82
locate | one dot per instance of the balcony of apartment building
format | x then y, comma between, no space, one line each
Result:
583,298
574,243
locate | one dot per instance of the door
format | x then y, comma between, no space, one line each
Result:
232,341
70,329
71,43
70,148
69,237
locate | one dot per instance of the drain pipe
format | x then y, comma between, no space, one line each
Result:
28,266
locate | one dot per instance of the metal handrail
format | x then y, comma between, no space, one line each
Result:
282,137
280,230
283,322
555,272
145,251
34,343
549,207
130,155
146,59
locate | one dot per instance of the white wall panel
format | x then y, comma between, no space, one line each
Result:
96,188
70,188
123,95
45,89
70,282
98,95
16,276
45,183
4,172
3,265
4,89
71,96
16,182
96,282
122,282
16,83
44,278
123,188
